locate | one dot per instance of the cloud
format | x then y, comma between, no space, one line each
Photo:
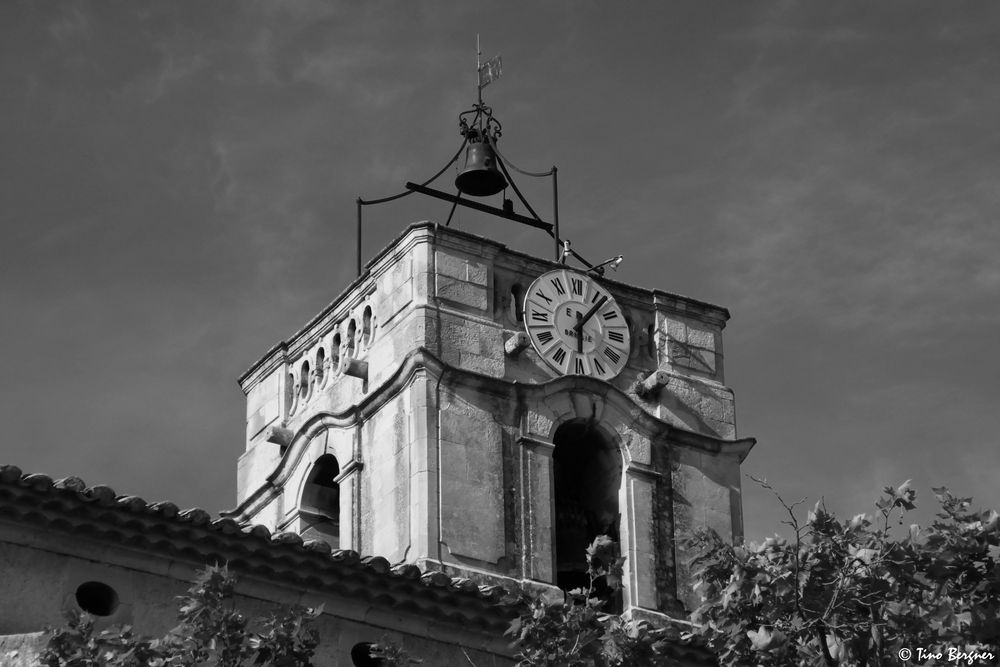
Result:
72,24
174,69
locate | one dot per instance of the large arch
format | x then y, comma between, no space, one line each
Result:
319,505
587,467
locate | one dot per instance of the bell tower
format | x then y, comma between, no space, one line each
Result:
483,412
417,417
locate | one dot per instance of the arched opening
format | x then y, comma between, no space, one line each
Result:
352,332
587,471
320,504
320,366
335,353
517,302
366,326
305,381
290,393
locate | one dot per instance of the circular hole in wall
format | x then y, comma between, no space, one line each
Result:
361,655
97,598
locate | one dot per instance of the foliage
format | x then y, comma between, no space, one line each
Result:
841,593
211,632
577,632
390,654
849,593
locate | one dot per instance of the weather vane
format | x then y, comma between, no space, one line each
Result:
489,71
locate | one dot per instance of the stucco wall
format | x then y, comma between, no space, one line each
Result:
42,575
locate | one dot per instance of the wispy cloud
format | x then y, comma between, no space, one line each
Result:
71,24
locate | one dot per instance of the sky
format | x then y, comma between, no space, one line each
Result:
177,188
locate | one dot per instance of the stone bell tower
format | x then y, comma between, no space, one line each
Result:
420,418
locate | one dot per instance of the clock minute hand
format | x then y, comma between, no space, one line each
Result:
578,327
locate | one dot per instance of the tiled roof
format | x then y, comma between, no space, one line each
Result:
99,513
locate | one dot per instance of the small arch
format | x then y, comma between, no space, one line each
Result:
352,331
290,393
320,366
587,473
650,331
305,381
517,302
335,353
96,598
319,506
366,326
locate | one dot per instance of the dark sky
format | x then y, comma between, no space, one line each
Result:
177,185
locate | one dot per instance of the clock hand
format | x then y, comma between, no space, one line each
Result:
578,327
590,313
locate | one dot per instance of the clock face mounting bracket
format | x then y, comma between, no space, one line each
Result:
575,325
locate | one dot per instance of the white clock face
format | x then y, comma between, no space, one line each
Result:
575,325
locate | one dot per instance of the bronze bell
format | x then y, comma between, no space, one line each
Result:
480,178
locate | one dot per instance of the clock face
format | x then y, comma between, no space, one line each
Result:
575,325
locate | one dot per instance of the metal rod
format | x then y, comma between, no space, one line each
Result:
452,211
499,212
555,210
359,236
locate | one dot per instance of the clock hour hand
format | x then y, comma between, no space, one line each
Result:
578,327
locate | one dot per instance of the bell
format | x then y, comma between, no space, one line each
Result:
480,178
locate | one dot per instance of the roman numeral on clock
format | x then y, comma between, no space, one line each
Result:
579,366
559,286
539,316
545,337
560,355
612,355
541,295
610,315
577,285
616,336
599,367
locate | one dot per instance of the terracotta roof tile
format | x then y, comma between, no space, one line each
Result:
101,514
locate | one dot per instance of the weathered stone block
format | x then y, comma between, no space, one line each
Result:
397,299
638,446
463,268
698,337
263,404
461,292
472,509
539,424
